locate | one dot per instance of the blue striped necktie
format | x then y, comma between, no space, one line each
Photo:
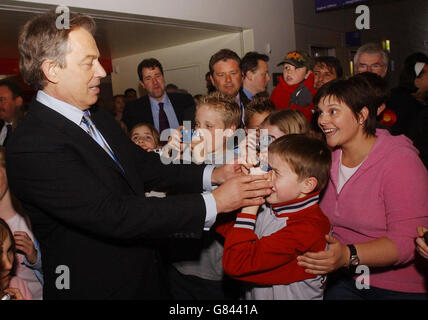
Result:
90,128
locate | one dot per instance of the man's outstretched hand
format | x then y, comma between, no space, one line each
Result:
242,191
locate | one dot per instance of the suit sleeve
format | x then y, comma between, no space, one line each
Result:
53,179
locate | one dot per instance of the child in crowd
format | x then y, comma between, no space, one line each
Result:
145,136
215,121
198,272
28,257
262,246
296,88
256,111
10,285
284,122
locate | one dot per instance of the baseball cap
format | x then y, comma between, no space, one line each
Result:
298,59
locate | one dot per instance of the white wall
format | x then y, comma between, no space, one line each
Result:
183,65
271,21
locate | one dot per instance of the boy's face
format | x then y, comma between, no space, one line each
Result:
286,184
207,121
143,137
293,75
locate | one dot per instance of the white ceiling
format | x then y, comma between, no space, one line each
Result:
118,35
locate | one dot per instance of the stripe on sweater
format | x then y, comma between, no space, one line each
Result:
296,206
246,223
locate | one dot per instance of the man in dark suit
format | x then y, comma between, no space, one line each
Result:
82,181
255,72
159,108
11,102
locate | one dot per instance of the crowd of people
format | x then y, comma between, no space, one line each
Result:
231,194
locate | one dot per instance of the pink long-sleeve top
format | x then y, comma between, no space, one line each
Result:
386,197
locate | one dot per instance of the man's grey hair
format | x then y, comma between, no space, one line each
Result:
371,48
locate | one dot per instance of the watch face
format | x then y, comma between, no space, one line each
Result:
355,261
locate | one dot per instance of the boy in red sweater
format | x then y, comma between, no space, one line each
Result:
296,87
261,248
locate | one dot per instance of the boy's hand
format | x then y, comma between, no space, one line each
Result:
25,244
254,209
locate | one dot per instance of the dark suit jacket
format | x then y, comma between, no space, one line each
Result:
88,215
140,110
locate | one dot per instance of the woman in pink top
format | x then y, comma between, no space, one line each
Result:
375,200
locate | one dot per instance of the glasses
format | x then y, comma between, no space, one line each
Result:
374,67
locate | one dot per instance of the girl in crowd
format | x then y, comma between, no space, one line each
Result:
375,200
28,258
145,136
15,287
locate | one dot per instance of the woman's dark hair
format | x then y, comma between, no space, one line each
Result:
408,73
362,90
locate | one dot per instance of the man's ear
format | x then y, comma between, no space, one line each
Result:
19,102
309,185
50,69
248,75
212,81
142,84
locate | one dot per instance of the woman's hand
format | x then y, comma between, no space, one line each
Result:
14,293
322,262
421,245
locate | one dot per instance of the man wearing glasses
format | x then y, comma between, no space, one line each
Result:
371,58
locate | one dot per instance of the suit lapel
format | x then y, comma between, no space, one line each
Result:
80,138
119,143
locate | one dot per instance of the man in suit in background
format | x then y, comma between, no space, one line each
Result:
255,72
159,108
226,77
11,102
82,181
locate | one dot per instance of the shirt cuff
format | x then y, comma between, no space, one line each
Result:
211,210
206,178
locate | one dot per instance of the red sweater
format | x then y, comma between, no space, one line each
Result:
282,92
265,251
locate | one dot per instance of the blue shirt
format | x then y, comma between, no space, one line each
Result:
75,115
248,93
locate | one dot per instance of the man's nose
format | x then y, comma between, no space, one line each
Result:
99,72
